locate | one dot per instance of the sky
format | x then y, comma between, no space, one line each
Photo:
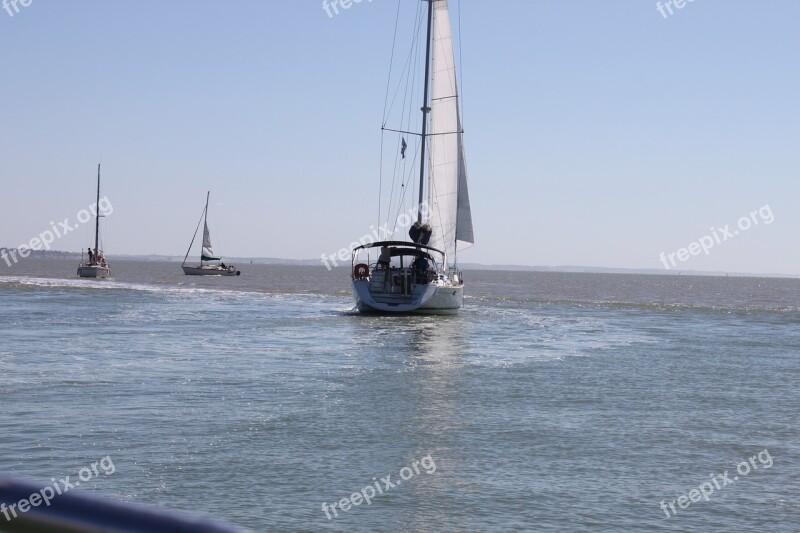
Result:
597,134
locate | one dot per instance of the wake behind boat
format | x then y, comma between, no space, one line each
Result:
422,276
209,265
96,266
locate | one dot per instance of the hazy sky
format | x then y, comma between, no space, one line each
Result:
597,133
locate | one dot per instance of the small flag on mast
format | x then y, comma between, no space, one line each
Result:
403,147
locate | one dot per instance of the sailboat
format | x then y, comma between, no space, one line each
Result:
209,265
421,275
96,266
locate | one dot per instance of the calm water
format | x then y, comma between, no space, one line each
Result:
553,402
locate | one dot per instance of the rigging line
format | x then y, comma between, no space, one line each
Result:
411,80
402,131
409,75
427,134
385,105
394,166
194,237
408,95
380,181
392,188
394,179
412,173
439,216
405,190
403,187
407,67
460,67
391,63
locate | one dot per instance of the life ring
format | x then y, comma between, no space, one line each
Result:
361,271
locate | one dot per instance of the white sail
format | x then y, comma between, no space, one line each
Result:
207,253
449,210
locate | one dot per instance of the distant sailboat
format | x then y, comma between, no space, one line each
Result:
216,268
421,276
96,266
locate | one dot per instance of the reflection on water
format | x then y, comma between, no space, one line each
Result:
264,396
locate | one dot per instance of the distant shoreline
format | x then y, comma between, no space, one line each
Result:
567,269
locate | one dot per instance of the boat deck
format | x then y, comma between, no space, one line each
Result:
396,285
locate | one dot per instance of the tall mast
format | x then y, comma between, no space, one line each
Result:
205,225
97,214
425,109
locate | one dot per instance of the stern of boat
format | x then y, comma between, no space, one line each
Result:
404,278
93,271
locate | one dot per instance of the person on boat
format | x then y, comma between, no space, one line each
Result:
385,258
223,266
91,257
421,266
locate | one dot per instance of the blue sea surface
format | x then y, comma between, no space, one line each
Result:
552,402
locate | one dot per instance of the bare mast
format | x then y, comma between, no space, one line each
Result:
97,216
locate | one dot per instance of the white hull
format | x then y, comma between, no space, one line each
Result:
210,271
443,299
93,271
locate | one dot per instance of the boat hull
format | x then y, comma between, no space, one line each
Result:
436,300
210,271
93,271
